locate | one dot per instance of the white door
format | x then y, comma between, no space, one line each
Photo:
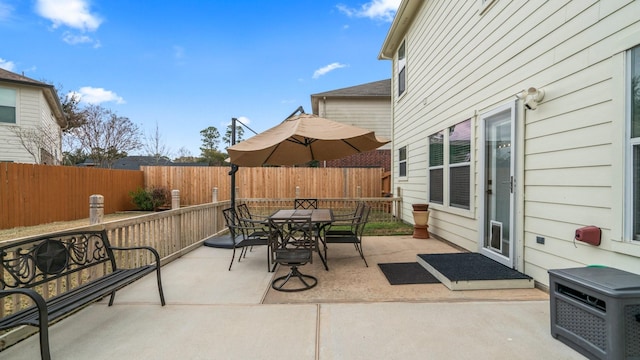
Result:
498,185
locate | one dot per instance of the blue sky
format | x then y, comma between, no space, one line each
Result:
186,65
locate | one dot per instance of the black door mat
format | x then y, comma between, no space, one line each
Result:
407,274
471,271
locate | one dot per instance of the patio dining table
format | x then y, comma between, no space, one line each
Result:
320,217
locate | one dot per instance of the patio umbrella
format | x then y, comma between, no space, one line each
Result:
303,138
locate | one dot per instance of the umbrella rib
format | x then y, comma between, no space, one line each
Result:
306,142
266,160
353,147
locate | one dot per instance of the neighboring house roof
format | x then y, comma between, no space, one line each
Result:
381,88
49,93
134,162
403,19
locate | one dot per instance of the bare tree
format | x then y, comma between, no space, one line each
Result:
154,145
184,155
105,136
38,143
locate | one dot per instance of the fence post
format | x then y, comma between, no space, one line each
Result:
297,191
177,221
214,198
96,209
175,199
399,203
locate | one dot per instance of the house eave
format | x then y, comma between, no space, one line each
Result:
404,16
49,92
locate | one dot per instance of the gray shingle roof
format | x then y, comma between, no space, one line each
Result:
376,88
13,77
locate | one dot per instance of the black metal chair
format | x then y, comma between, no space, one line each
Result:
346,220
256,225
351,235
292,244
244,235
305,203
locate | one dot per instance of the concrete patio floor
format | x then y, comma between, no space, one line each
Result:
353,313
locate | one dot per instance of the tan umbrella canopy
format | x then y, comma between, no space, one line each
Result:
303,138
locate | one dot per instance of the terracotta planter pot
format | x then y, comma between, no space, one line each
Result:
420,207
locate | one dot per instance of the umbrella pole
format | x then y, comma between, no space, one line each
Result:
225,241
234,167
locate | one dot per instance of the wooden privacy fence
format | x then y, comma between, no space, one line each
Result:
196,183
39,194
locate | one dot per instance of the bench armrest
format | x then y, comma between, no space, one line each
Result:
154,251
37,299
43,316
158,264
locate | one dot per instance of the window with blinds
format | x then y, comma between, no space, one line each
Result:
436,168
7,105
460,164
402,161
450,166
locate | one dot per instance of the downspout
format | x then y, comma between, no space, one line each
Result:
521,114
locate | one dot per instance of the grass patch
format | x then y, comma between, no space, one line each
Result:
388,228
383,228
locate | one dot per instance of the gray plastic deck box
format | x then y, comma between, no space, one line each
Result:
596,311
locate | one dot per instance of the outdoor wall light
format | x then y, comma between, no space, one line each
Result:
531,97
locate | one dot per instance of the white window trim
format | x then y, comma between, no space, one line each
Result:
485,5
17,108
445,159
401,65
445,206
406,163
628,154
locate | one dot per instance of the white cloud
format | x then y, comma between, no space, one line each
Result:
74,39
91,95
383,10
72,13
7,65
326,69
243,120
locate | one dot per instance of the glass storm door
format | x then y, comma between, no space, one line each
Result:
498,156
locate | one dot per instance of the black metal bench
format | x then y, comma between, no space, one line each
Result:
84,257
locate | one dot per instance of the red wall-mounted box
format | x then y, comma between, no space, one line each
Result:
589,234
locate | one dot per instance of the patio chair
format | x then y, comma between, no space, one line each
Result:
256,225
244,236
305,203
352,235
292,244
346,220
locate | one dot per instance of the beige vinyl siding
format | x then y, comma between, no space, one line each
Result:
52,129
32,111
461,64
368,113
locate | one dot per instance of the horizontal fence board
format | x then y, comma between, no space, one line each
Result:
39,194
196,183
